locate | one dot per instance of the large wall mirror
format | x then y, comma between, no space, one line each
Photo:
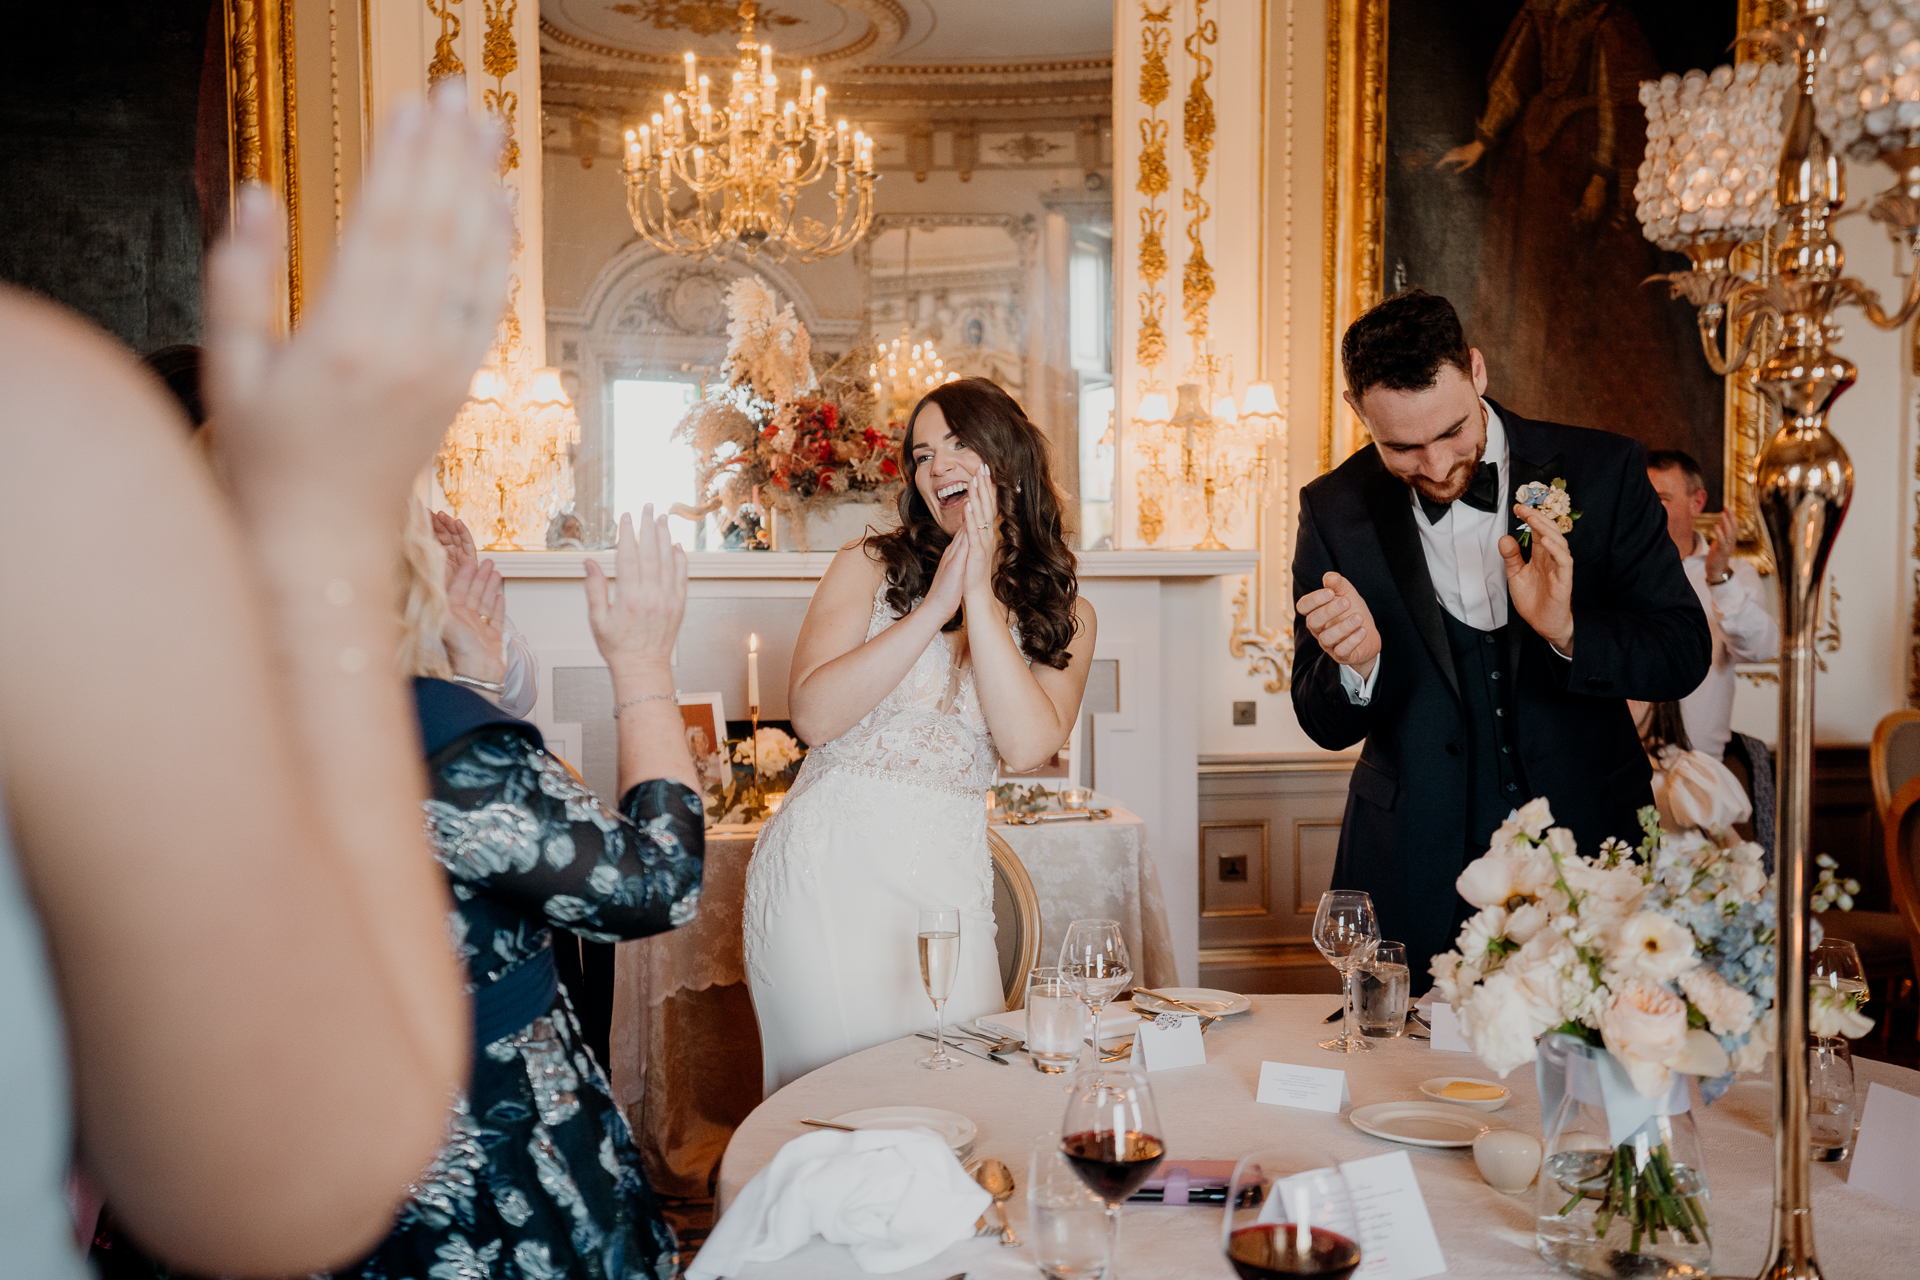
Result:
991,237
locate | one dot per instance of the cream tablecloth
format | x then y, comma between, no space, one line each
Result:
686,1052
1210,1112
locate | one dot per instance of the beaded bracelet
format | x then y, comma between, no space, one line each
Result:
645,697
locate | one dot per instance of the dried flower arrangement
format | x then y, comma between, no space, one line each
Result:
803,442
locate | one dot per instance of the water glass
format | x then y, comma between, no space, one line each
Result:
1382,988
1055,1020
1833,1115
1067,1223
939,941
1345,932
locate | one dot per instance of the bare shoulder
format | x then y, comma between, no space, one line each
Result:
1084,620
854,567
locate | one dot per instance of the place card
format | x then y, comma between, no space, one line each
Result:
1446,1029
1169,1040
1393,1227
1884,1162
1309,1088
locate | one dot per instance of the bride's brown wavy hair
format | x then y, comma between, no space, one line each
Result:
1036,576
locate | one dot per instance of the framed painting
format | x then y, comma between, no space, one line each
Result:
1486,150
703,718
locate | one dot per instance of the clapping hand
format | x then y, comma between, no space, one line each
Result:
1341,624
637,624
949,585
1542,588
1726,536
351,407
981,532
476,613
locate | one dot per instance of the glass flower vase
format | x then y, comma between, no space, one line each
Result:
1623,1188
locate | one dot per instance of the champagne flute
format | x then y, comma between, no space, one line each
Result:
1345,931
939,962
1275,1225
1095,965
1111,1135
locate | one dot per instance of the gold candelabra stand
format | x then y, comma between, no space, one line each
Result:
737,172
1804,483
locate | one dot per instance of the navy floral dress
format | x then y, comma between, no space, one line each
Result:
539,1178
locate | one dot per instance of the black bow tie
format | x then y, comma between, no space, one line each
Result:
1482,495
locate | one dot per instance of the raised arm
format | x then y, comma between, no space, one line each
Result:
838,674
1322,702
209,758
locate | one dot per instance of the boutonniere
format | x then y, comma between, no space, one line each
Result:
1552,501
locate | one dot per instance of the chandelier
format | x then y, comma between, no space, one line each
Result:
1718,177
699,179
505,466
904,370
1203,430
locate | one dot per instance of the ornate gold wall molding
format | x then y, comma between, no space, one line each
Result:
446,62
500,58
1153,485
1354,199
1197,119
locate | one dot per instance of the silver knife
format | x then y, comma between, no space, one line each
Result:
955,1044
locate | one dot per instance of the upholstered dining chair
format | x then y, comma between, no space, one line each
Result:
1903,863
1016,914
1894,757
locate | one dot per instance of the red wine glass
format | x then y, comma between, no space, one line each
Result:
1278,1224
1111,1135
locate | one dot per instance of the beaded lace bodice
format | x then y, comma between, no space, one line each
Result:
928,730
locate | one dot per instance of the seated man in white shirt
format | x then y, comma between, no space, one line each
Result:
1729,591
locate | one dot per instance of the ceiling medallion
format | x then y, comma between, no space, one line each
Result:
737,173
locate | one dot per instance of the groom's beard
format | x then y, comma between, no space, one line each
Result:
1455,486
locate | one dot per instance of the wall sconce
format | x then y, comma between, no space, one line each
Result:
1208,473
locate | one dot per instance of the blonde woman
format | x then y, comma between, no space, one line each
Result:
539,1166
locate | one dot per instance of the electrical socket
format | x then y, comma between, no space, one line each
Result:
1233,870
1243,712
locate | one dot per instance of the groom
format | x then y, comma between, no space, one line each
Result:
1478,670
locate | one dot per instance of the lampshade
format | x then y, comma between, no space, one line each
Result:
1187,410
546,388
488,384
1223,408
1260,402
1713,143
1153,407
1866,91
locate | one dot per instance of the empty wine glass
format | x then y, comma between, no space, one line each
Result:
1345,931
1836,963
939,962
1111,1135
1095,964
1279,1225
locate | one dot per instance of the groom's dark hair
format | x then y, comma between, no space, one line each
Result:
1401,344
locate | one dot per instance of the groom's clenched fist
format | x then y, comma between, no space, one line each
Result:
1342,624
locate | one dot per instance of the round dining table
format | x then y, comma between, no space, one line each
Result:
1210,1112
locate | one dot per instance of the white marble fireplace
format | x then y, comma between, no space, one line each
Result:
1152,607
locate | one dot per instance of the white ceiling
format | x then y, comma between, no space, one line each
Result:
853,32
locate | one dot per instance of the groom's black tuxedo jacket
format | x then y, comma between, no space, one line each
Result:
1638,633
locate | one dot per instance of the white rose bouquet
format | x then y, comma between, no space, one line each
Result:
1661,959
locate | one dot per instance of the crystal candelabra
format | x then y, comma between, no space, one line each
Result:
1208,474
736,173
1853,83
506,466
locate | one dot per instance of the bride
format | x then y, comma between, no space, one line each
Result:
929,653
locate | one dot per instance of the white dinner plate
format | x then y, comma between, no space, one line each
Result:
958,1131
1206,999
1423,1124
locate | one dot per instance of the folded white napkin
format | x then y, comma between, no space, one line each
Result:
1117,1022
895,1197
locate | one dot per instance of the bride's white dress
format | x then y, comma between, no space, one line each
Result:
883,820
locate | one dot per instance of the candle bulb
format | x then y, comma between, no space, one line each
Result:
690,73
806,85
790,118
820,107
753,672
844,142
766,60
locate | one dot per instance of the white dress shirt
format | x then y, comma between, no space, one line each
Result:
1463,559
1743,631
